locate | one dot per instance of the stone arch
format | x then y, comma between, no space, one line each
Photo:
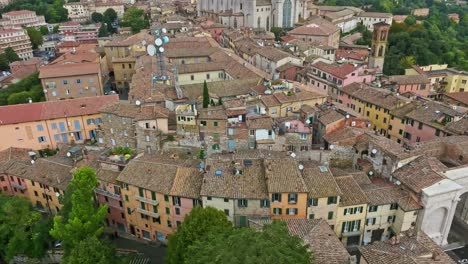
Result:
438,218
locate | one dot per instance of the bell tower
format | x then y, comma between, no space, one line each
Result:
379,45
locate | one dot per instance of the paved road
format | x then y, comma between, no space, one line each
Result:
154,253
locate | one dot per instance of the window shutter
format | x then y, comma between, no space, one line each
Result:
279,200
246,203
267,203
287,211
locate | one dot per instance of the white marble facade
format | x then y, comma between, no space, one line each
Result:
254,13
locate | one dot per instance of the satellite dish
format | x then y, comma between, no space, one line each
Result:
32,161
45,90
293,155
307,121
138,102
151,50
374,151
57,194
347,116
301,167
161,49
68,154
163,30
165,39
158,42
371,173
332,147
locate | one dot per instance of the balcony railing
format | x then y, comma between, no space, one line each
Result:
146,212
19,186
108,194
146,200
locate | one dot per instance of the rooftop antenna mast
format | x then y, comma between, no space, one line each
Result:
158,51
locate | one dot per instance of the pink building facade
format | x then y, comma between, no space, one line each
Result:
180,207
416,132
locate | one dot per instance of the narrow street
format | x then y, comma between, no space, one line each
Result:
154,253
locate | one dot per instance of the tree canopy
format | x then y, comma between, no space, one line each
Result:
85,220
11,55
29,236
31,85
197,225
272,245
35,36
109,17
52,10
96,17
206,95
135,19
91,251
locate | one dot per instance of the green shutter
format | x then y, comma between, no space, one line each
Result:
143,205
330,215
280,197
155,208
246,203
129,211
168,211
311,216
140,191
287,211
153,196
268,203
126,198
166,198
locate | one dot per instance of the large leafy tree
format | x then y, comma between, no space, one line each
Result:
135,19
4,64
84,220
272,245
96,17
35,36
91,251
30,84
23,231
109,17
11,55
206,95
197,226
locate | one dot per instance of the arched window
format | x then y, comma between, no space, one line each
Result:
381,51
287,13
259,22
268,23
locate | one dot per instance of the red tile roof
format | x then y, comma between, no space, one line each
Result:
19,12
75,69
337,70
316,27
22,113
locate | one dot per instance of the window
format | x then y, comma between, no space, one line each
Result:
64,82
207,76
141,192
40,128
303,136
177,211
292,198
176,200
385,120
311,216
420,126
203,123
226,212
242,203
155,208
252,132
166,198
78,80
400,132
41,139
169,223
393,206
291,211
192,77
276,197
129,211
390,127
209,198
351,226
126,198
67,91
437,132
142,205
276,211
332,200
370,221
35,193
330,215
391,219
215,123
168,211
274,111
226,200
264,203
313,202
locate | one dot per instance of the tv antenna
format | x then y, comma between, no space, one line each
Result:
158,50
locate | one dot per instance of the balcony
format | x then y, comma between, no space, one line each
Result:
146,212
108,194
19,186
146,200
351,233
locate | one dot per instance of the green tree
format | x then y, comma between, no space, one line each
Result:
206,95
197,226
56,28
11,55
35,36
272,245
135,19
44,30
407,61
91,251
279,32
84,220
96,17
19,98
4,64
23,231
103,31
109,17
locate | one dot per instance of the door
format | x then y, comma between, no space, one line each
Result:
132,229
377,235
243,221
353,240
